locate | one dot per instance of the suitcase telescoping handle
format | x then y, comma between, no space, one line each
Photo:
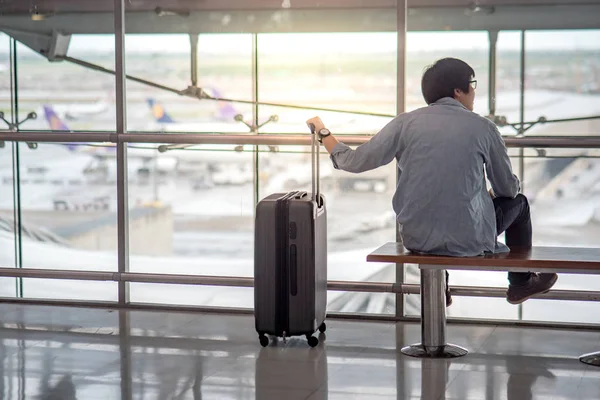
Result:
316,172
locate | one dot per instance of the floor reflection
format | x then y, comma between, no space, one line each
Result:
75,354
292,365
519,385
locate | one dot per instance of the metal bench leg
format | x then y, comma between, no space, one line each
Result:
591,359
433,319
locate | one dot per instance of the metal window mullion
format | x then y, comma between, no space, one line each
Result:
122,199
121,128
493,39
125,354
522,132
401,12
194,58
255,159
16,167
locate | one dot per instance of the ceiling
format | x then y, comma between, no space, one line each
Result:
68,6
260,16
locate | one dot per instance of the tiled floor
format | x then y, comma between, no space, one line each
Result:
52,353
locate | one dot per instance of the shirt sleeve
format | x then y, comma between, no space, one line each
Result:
498,167
378,151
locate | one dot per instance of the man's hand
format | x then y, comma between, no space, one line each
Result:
316,121
328,141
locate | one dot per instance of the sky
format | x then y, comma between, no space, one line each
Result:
338,42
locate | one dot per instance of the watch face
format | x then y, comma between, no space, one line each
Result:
324,132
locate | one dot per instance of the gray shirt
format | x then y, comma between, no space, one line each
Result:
443,153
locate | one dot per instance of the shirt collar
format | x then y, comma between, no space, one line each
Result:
449,101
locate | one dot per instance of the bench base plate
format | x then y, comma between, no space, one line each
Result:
447,351
591,359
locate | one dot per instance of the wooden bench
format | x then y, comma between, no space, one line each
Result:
572,260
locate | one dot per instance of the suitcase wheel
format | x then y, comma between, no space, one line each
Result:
264,341
312,341
323,327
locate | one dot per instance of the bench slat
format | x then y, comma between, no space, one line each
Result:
560,258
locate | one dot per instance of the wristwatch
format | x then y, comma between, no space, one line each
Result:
324,132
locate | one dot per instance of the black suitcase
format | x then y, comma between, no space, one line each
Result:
290,262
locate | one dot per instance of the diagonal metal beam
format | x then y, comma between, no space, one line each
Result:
199,93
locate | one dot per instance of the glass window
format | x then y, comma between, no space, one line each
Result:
7,188
344,72
424,48
68,190
82,99
191,210
563,81
508,76
224,70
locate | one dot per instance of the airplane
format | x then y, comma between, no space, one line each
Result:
292,171
99,151
226,119
77,111
290,121
225,164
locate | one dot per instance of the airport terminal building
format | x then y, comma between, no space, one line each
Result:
138,138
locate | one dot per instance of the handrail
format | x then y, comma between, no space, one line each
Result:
296,139
240,281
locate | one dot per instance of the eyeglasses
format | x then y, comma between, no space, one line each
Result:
473,84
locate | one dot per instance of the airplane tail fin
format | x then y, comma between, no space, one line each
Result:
57,124
54,122
158,112
225,109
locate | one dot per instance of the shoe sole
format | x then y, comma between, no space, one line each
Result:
533,294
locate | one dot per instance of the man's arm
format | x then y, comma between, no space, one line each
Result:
378,151
499,169
330,142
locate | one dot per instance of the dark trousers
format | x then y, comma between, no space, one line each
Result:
513,218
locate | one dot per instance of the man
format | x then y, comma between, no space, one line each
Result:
441,201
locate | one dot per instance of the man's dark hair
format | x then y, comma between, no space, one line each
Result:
440,79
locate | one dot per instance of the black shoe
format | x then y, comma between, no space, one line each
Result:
448,295
537,284
448,298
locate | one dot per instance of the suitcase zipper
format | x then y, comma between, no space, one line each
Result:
282,243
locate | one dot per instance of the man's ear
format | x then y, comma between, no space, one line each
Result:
458,92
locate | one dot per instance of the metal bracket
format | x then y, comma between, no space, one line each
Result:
15,127
252,127
501,121
195,92
54,47
198,92
521,128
